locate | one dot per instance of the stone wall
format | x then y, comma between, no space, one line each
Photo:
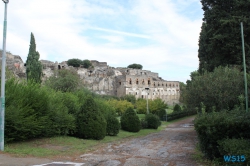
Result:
103,79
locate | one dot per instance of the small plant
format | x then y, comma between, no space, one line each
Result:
177,108
130,121
153,121
113,125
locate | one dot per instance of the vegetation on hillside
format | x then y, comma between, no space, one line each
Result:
135,66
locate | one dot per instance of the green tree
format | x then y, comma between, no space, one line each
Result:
130,121
220,37
74,62
90,122
86,63
216,90
64,80
135,66
33,65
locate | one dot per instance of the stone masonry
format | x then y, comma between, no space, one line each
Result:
103,79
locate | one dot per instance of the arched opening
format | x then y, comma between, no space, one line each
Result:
59,67
137,82
130,81
149,81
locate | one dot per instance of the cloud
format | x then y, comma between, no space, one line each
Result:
157,34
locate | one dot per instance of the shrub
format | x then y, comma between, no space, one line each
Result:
113,125
62,113
219,89
144,124
177,108
217,126
161,114
153,121
178,115
130,121
64,80
120,106
74,62
27,111
90,121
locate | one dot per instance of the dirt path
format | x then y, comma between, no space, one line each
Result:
170,147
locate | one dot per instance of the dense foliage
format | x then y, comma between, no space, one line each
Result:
90,122
120,106
33,112
177,108
213,128
64,80
33,65
130,121
155,106
153,121
79,63
220,37
215,90
135,66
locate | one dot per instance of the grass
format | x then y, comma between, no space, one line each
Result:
71,146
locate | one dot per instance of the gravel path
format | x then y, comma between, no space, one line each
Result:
173,146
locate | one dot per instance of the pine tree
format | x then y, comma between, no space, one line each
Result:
33,65
220,37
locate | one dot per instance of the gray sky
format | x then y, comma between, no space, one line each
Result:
161,35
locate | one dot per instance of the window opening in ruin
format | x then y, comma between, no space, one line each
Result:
136,93
127,70
130,81
143,82
148,81
176,85
142,96
148,93
166,85
59,67
120,83
162,84
154,83
153,94
141,73
137,82
145,73
158,84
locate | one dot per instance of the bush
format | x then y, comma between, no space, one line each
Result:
62,113
64,80
27,111
74,62
217,126
235,147
130,121
177,108
161,114
144,124
153,121
90,121
219,89
178,115
113,125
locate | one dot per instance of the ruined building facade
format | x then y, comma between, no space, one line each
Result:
104,79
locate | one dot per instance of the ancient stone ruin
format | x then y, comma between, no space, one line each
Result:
104,79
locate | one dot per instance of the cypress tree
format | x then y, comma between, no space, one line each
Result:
33,65
220,37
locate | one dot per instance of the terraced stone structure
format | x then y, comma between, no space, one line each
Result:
104,79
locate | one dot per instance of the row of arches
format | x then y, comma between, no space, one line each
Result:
154,84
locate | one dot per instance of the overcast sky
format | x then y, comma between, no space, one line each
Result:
161,35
